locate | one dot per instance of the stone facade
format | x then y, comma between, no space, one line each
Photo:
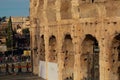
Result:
81,36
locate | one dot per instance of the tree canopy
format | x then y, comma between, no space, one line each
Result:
9,37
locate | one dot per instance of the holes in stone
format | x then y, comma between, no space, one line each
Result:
69,78
96,23
91,23
35,4
85,59
102,38
108,22
114,47
119,56
92,1
114,23
54,50
105,30
108,69
66,58
113,60
86,23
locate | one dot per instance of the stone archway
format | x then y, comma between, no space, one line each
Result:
68,56
115,58
52,49
90,58
52,65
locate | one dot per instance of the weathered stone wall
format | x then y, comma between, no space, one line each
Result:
76,18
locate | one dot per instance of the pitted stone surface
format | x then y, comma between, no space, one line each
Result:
79,27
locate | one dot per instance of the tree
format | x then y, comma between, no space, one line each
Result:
3,19
10,35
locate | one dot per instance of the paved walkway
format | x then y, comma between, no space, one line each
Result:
22,76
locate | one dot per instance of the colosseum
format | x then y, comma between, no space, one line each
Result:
75,39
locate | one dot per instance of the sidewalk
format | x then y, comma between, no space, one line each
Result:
22,76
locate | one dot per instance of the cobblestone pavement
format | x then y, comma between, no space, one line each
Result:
22,76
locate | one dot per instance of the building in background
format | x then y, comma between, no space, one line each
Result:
23,22
21,34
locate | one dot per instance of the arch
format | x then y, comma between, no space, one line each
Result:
68,58
90,58
115,57
51,13
42,49
52,49
65,9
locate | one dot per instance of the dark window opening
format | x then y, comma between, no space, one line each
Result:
68,37
92,1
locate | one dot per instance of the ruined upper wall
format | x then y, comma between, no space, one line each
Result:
52,10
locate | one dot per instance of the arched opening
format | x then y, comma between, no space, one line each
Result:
90,58
42,49
68,54
66,9
42,61
115,58
51,14
52,49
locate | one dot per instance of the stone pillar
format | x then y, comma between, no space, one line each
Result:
46,52
77,62
58,16
74,9
59,40
104,59
34,47
75,16
77,65
60,58
46,37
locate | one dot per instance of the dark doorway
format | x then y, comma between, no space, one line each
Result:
115,58
68,54
90,58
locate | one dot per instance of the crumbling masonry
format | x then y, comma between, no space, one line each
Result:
81,36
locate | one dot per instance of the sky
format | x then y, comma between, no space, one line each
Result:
14,8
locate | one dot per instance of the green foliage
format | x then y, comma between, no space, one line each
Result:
2,19
9,31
